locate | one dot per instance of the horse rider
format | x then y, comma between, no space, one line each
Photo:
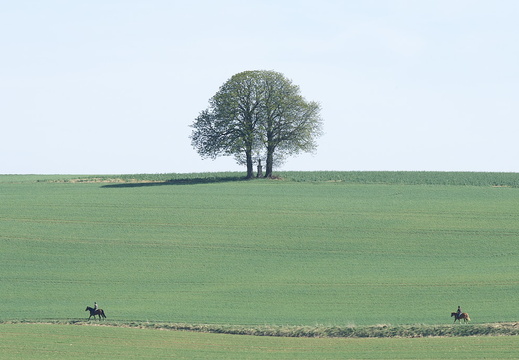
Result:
458,313
96,307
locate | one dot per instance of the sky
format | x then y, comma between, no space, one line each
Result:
112,86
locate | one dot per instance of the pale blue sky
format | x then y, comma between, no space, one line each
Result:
109,87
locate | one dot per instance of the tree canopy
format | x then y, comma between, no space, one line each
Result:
257,114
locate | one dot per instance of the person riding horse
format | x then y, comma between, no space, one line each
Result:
460,315
95,311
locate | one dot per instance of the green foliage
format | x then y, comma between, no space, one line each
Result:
210,249
257,112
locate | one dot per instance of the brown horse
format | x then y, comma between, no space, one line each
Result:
461,316
94,312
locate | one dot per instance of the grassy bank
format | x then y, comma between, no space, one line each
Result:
317,331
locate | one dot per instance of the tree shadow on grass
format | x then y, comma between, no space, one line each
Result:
181,181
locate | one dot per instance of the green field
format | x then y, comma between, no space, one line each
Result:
314,249
39,341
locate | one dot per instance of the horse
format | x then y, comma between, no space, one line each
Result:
458,317
94,312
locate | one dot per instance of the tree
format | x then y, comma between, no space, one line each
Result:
229,125
290,124
257,112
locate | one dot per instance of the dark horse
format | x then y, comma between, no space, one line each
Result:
461,316
94,312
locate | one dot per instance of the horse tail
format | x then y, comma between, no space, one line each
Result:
468,317
103,313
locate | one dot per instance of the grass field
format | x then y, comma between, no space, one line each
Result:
39,341
326,249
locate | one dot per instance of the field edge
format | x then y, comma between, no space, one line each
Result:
317,331
454,178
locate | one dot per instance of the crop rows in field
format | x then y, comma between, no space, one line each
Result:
223,251
408,177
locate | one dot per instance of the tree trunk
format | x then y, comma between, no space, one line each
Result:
270,161
250,165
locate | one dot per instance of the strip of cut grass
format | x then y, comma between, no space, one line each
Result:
316,331
39,341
